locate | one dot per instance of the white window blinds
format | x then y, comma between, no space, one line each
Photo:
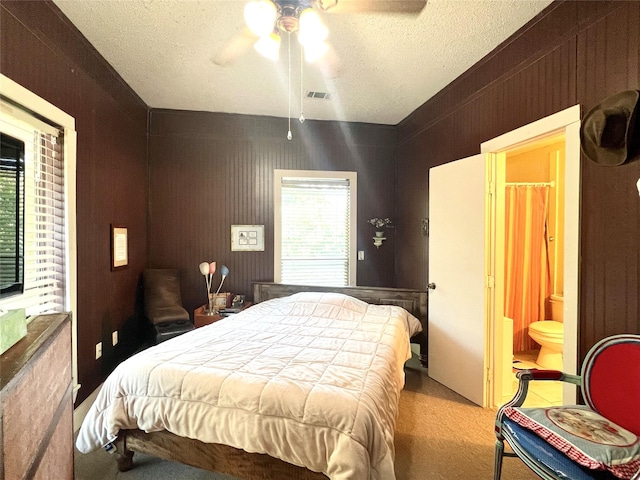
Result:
315,231
44,214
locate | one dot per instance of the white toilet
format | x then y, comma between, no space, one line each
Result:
549,334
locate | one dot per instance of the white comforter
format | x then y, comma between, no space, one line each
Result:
313,379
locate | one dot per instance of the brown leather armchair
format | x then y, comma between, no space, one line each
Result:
163,304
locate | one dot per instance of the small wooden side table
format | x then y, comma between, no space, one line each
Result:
200,318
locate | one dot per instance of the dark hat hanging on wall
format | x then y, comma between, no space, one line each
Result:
607,133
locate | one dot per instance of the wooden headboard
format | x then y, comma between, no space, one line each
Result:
414,301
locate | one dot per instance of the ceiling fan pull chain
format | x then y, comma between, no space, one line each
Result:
302,119
289,136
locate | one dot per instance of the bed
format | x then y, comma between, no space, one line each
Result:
413,301
302,386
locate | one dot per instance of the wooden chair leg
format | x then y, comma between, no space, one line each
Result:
497,466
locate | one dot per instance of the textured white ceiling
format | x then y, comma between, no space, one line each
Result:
390,64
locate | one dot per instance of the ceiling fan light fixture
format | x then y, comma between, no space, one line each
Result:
311,29
260,16
269,46
314,50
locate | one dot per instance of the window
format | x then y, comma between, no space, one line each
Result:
49,220
11,216
44,213
315,233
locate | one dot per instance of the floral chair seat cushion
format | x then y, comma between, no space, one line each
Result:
584,436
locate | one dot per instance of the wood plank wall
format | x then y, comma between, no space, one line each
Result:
45,53
573,52
208,171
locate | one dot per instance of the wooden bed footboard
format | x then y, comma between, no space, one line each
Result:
414,301
208,456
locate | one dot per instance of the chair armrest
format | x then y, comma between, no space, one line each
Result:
557,375
524,377
541,374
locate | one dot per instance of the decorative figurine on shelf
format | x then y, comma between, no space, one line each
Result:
379,224
208,269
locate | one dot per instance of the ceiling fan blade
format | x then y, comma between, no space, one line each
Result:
372,6
235,47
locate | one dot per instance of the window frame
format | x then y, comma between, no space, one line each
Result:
352,177
31,102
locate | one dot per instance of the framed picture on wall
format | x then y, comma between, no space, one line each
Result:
247,238
119,247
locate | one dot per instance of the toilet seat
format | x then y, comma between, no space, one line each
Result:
550,335
548,328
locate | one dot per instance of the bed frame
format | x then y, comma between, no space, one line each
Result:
208,456
254,466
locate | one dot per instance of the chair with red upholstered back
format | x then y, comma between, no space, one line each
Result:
611,380
598,440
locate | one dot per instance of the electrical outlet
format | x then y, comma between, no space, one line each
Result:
114,338
98,350
360,254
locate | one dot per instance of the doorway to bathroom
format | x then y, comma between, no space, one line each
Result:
532,255
469,350
531,195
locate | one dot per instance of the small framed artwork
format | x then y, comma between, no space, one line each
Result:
220,301
119,247
248,238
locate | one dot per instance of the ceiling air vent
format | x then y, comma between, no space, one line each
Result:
320,95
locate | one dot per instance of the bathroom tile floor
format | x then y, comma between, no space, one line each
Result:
540,394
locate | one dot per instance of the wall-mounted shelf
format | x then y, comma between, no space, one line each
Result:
377,241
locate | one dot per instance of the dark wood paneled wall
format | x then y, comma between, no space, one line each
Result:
208,171
45,53
608,61
574,52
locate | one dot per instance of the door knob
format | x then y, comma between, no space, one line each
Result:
431,286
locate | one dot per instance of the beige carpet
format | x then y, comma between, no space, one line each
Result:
439,435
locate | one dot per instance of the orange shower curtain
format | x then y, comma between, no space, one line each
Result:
527,275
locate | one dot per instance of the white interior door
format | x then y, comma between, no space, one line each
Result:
457,268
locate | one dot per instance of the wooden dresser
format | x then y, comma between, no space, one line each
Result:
36,406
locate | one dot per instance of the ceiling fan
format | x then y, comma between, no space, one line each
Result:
268,20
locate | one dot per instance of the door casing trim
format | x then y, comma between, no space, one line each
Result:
569,121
